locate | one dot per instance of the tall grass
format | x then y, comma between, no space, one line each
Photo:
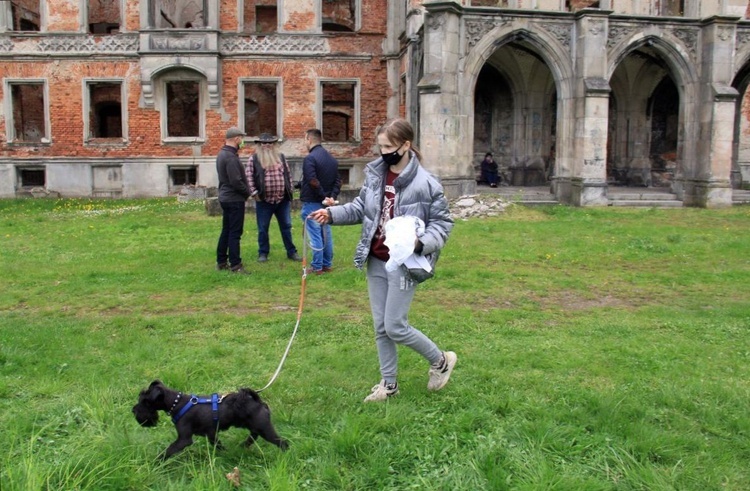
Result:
599,349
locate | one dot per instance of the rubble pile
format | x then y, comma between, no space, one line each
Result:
466,207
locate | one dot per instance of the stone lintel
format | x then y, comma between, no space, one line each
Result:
443,6
430,83
720,19
597,86
724,93
591,12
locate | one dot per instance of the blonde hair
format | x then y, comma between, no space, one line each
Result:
398,131
268,155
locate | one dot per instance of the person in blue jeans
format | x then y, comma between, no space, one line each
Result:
320,187
270,184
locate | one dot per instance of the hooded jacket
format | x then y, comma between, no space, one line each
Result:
418,193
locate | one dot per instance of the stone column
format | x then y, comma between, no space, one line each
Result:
443,130
6,19
708,183
589,182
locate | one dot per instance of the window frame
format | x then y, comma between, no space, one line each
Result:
182,75
83,8
98,141
357,131
279,81
10,129
357,17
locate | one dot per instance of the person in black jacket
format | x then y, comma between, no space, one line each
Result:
271,187
320,187
233,192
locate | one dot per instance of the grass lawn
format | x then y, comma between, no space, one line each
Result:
599,349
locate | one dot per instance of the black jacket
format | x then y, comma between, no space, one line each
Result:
232,179
320,176
259,178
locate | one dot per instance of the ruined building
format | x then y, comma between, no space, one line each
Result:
124,98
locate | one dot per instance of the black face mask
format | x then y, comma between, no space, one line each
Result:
392,158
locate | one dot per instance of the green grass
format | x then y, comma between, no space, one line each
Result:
599,349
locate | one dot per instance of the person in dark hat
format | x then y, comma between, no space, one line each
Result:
270,183
233,192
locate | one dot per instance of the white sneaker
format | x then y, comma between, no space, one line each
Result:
380,392
439,375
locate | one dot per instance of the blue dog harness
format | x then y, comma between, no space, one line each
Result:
214,401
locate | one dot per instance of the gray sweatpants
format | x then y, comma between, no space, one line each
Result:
390,299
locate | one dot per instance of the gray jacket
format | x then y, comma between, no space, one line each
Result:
418,193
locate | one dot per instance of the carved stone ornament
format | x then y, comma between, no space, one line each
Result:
166,42
725,33
274,44
476,29
435,22
116,44
617,33
743,37
559,31
688,37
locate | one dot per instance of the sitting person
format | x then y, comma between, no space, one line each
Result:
489,170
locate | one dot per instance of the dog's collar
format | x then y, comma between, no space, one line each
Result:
215,400
174,404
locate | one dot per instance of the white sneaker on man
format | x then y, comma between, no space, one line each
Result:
440,374
382,392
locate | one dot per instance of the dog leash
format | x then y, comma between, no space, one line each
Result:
303,288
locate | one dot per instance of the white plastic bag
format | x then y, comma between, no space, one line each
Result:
400,236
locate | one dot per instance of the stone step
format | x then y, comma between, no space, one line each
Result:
740,197
634,196
646,203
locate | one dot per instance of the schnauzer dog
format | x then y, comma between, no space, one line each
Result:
206,416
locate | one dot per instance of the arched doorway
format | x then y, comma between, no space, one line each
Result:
644,122
515,104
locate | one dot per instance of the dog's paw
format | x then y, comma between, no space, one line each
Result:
234,477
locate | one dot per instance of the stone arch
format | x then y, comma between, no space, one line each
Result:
546,148
640,67
154,67
740,173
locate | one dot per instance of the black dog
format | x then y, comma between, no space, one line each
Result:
194,415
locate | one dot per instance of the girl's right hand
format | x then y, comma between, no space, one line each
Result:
321,216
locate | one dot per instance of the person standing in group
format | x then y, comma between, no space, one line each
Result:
271,187
233,192
320,187
396,184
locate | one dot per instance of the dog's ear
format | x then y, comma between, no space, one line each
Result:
155,391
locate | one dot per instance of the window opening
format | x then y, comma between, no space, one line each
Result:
339,15
183,108
28,112
104,17
26,15
261,106
338,111
105,114
178,14
344,175
31,178
184,176
266,19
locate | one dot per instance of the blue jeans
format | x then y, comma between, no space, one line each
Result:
283,213
231,232
319,236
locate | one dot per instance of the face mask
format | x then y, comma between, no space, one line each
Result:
241,145
392,158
